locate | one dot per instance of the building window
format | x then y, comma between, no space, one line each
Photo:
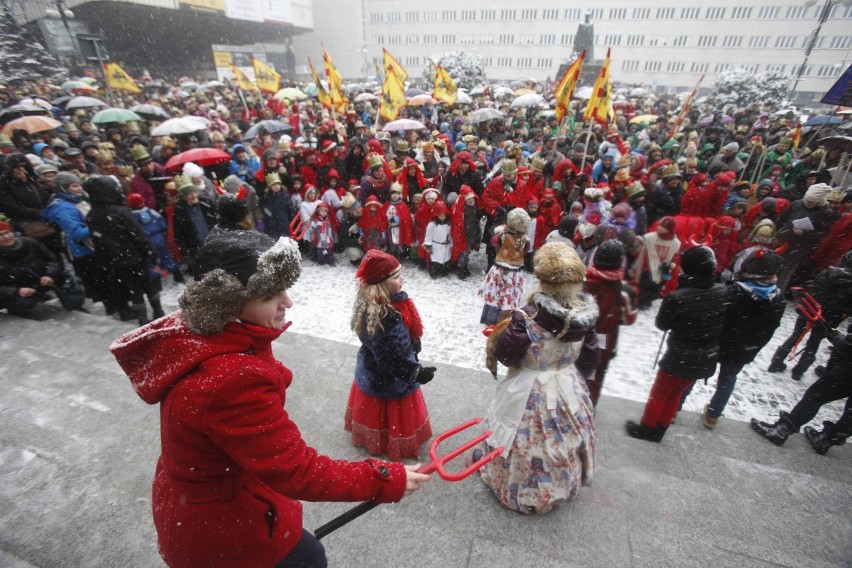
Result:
658,41
448,39
468,15
466,39
379,39
828,71
545,62
376,17
722,67
732,41
488,15
412,16
841,42
699,67
665,13
525,62
706,41
529,14
689,13
430,39
653,65
641,13
715,13
393,17
740,13
775,68
758,41
567,39
750,68
551,14
526,39
394,39
795,70
504,62
768,13
507,15
796,12
635,40
487,61
412,39
548,39
847,13
449,15
817,41
785,41
617,13
412,61
680,41
507,39
675,67
596,13
486,39
612,39
430,15
630,65
572,14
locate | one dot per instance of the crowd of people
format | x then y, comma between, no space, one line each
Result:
724,215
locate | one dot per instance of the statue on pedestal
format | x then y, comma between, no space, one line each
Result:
585,38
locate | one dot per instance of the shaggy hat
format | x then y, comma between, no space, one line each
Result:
760,264
558,263
64,179
230,210
377,266
518,220
698,261
610,254
135,201
193,170
817,193
232,267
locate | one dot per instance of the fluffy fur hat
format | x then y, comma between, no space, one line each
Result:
518,220
232,267
557,263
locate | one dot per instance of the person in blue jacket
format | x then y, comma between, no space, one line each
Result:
156,228
243,164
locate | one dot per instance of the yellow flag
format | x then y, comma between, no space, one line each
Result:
267,79
335,85
600,103
393,95
379,71
243,81
797,136
322,95
118,79
565,90
391,63
445,88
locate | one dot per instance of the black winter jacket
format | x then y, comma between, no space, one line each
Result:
694,315
750,324
23,266
832,288
185,233
120,241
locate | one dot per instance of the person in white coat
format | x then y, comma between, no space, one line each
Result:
439,241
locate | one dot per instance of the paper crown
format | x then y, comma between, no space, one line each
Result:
671,170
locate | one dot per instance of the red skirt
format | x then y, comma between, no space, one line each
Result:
395,427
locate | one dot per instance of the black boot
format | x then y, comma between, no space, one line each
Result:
156,307
178,276
642,432
777,364
820,371
776,433
141,313
463,272
125,312
822,441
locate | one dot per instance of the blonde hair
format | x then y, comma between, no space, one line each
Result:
372,304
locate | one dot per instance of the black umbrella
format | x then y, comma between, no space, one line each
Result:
413,92
271,126
151,112
17,111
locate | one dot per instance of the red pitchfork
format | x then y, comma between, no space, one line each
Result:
810,308
437,464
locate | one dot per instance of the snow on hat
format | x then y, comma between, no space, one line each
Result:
135,201
698,261
760,264
231,268
610,254
193,170
817,193
377,266
558,263
64,179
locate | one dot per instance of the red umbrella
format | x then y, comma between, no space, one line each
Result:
201,156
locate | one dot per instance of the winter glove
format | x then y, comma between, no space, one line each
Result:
426,374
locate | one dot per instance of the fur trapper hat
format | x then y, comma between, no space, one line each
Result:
557,263
231,268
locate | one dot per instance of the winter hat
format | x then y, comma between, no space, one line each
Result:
731,147
725,178
760,265
64,179
594,193
518,220
45,168
451,198
231,268
668,223
558,263
567,226
698,261
769,204
135,201
232,184
377,266
193,170
621,212
765,228
610,254
817,193
230,210
4,226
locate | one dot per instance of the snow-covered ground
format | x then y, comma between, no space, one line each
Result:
450,310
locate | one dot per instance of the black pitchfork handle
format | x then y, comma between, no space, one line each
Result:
345,518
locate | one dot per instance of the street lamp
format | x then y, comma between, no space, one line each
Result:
825,11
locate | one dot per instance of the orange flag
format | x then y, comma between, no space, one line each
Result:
565,90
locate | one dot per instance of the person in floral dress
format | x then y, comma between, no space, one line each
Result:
542,414
502,289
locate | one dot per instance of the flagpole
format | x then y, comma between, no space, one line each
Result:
586,149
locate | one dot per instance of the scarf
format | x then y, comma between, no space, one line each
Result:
759,289
410,316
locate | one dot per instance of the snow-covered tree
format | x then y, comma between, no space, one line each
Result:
22,58
739,87
467,68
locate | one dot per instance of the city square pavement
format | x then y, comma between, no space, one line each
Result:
78,451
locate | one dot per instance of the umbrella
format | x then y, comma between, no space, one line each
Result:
110,115
19,110
523,91
842,143
151,112
584,93
31,124
403,124
181,125
647,118
311,90
365,97
189,85
638,92
413,92
463,98
213,84
352,88
60,101
84,102
77,87
202,156
528,100
501,92
291,93
35,101
271,126
88,80
820,119
418,100
484,114
517,84
477,91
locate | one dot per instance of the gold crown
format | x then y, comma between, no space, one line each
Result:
272,178
537,164
671,170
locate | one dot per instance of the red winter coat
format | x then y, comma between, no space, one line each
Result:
233,465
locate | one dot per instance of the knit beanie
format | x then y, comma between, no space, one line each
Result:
567,226
64,179
698,261
377,266
610,254
769,204
231,210
135,201
193,170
